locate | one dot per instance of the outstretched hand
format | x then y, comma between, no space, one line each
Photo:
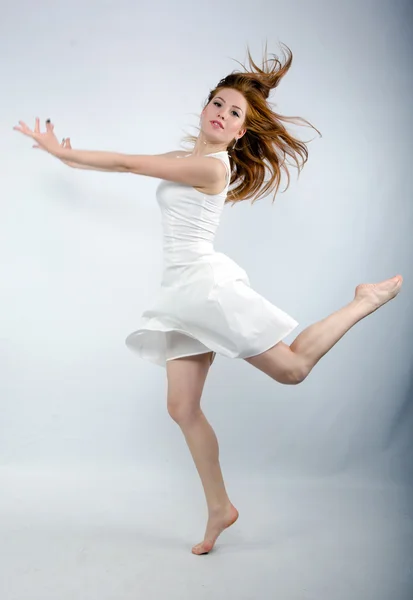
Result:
46,141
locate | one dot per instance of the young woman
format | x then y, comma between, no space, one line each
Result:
205,303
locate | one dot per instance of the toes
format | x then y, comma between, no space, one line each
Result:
199,550
202,548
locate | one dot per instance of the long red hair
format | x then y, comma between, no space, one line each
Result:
267,144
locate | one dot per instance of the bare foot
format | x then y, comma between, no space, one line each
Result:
377,294
217,522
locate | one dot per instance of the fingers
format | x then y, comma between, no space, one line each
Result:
23,127
36,133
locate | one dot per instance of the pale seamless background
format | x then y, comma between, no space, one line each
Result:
98,491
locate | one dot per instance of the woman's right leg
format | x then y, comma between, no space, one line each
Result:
186,380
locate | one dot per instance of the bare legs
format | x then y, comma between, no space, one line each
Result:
292,364
186,378
203,445
286,364
315,341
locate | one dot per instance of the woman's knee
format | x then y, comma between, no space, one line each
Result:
281,364
297,374
186,379
182,410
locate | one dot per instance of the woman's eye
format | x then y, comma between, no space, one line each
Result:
217,103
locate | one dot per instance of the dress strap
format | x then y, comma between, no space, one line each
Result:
225,160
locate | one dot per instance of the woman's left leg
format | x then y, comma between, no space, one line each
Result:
292,364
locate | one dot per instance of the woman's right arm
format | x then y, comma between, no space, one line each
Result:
76,166
66,144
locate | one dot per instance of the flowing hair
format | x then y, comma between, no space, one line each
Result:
266,145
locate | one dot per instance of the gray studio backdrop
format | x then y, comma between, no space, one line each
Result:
81,260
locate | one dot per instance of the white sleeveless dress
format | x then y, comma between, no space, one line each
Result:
205,302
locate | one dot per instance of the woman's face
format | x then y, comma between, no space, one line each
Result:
228,108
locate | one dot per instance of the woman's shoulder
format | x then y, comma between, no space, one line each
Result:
174,153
